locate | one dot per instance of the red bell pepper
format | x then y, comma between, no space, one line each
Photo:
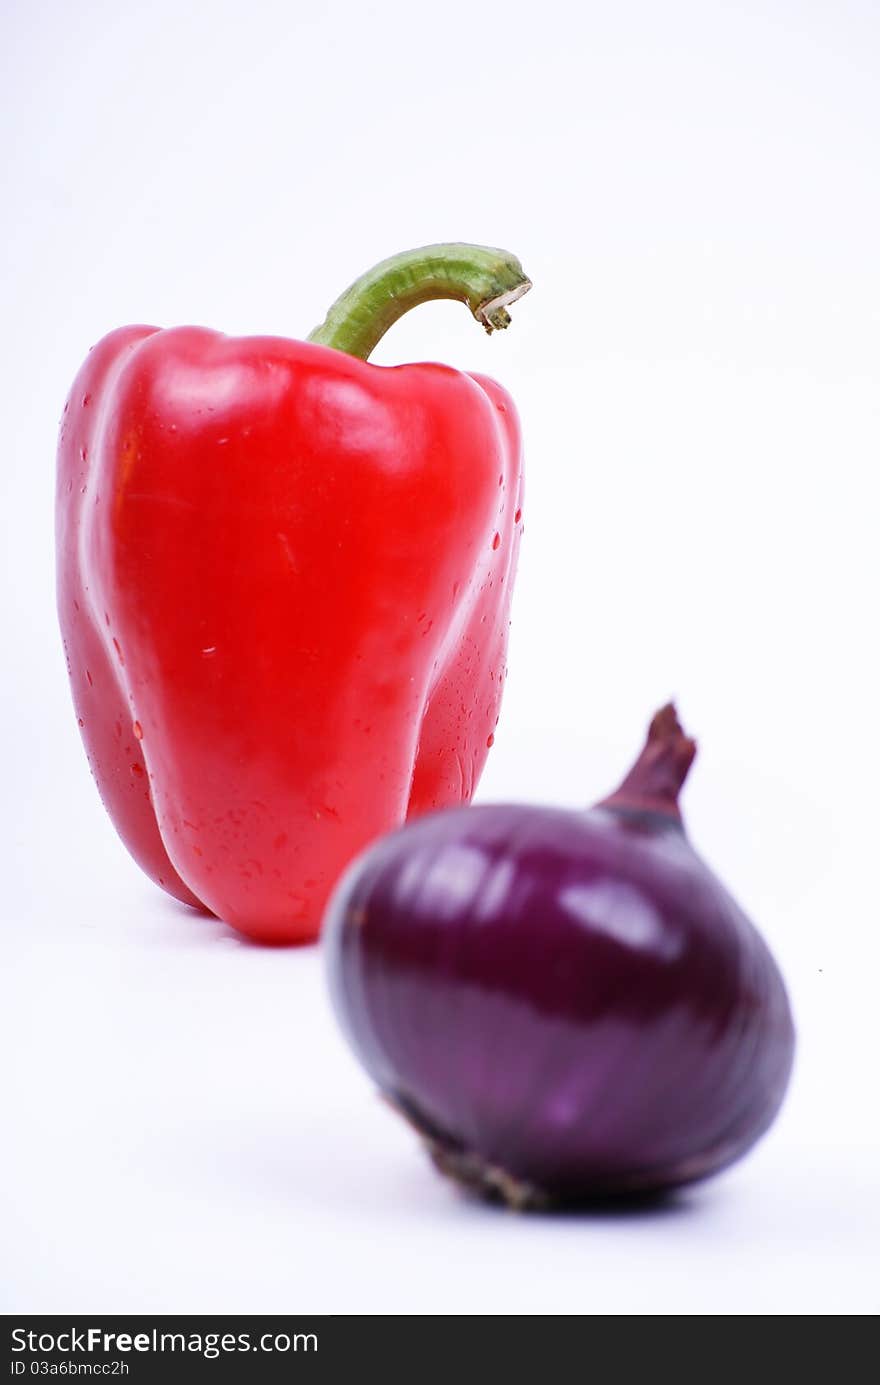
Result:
283,581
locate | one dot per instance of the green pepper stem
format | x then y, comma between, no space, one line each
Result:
486,280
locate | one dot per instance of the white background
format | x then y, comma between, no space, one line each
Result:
693,189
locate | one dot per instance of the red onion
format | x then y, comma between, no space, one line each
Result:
564,1004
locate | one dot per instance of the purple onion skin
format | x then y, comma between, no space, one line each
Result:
567,1005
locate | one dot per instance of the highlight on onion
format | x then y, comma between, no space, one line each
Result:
565,1005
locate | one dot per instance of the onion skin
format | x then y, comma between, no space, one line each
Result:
566,1005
